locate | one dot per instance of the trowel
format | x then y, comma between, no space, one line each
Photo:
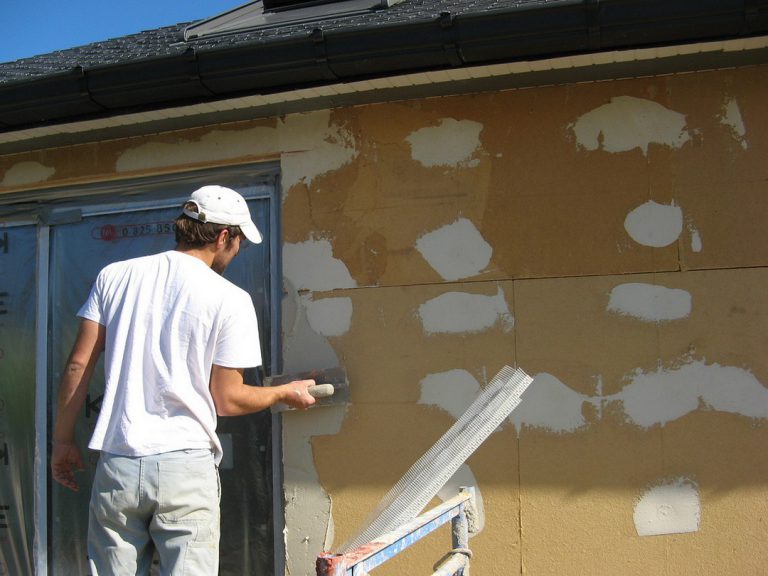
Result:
331,386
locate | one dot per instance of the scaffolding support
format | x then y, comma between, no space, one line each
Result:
363,559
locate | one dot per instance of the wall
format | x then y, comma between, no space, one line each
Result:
608,238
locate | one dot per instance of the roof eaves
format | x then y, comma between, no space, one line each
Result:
248,63
588,67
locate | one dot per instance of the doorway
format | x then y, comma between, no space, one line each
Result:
76,235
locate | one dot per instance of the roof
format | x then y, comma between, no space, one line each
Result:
242,52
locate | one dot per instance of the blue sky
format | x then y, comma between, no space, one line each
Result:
31,27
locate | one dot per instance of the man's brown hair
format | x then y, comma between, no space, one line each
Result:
196,234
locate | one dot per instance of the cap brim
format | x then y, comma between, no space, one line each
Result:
251,232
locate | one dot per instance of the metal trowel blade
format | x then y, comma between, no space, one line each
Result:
336,376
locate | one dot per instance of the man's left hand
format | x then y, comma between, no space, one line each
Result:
65,460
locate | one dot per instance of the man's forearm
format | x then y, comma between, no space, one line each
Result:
73,390
247,399
234,398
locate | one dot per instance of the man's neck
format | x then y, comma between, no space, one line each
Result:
204,253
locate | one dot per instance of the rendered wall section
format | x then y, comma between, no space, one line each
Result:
607,237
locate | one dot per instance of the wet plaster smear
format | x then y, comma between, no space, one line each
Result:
456,250
671,507
669,394
308,322
462,313
452,143
649,302
653,224
731,117
308,144
25,173
626,123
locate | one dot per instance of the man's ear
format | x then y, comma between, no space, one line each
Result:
222,239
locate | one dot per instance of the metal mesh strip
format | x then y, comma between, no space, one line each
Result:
428,475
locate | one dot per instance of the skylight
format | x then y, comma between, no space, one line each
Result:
270,13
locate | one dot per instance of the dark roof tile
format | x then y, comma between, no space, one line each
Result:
168,41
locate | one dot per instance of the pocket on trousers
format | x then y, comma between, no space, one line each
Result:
113,493
187,490
201,558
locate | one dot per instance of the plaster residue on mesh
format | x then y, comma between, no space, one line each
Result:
26,172
669,507
456,250
461,312
649,302
730,116
655,225
452,143
627,122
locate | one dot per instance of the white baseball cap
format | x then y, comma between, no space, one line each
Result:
221,205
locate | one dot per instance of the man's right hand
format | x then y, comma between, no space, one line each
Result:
297,394
65,460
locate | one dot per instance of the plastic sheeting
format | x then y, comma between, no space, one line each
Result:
78,252
17,398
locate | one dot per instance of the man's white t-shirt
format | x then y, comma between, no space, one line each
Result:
168,319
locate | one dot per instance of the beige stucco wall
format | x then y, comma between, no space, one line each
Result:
607,237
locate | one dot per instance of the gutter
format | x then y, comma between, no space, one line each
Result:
549,30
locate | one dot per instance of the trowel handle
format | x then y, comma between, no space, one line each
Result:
320,390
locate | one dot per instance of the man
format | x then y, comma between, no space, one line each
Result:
176,337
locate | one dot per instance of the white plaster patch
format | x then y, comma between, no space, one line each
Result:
649,302
451,143
669,508
465,478
308,143
666,395
655,225
627,123
550,404
214,145
27,172
731,117
304,349
456,250
308,508
312,146
452,391
308,514
330,316
460,313
311,265
696,244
